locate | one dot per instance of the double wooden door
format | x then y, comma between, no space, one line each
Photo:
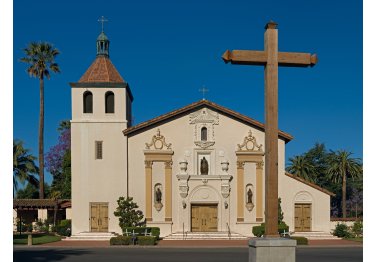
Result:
302,217
204,218
99,217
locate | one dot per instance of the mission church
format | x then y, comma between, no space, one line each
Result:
199,168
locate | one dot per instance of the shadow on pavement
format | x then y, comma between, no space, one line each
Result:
50,254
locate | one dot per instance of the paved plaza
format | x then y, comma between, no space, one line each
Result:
172,254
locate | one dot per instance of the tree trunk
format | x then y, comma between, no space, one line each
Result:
344,196
41,144
55,213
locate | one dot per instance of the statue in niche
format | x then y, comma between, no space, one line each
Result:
204,166
158,195
249,196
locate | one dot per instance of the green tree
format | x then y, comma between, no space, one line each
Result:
280,213
341,167
317,157
40,58
24,167
32,192
127,213
55,195
302,167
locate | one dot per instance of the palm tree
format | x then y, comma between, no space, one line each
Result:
23,166
341,167
302,167
55,195
41,60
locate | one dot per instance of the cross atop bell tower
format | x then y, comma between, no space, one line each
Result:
103,44
102,20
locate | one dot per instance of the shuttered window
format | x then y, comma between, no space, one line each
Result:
98,149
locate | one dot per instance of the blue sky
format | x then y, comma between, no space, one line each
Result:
167,50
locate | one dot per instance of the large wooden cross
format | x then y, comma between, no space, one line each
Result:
270,58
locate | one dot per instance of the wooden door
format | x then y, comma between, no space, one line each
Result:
99,217
204,218
302,217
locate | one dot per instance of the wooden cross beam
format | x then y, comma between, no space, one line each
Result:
270,58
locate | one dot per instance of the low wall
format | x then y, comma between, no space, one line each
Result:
347,221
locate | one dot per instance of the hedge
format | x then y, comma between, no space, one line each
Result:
300,240
140,231
259,231
120,240
146,240
64,228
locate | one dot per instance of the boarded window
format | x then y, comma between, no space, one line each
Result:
98,149
88,102
204,134
110,102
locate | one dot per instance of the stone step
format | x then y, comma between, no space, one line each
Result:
91,236
314,235
205,236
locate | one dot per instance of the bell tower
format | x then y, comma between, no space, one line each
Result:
101,110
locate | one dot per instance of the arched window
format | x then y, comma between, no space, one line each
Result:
88,102
204,134
110,102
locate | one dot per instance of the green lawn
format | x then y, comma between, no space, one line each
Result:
37,239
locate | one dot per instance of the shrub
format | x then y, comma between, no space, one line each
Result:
259,231
127,212
342,230
146,240
64,228
155,231
120,240
300,240
357,229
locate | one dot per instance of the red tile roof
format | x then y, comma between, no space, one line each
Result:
310,184
40,203
101,70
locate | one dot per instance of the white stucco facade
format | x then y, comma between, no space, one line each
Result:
123,168
199,167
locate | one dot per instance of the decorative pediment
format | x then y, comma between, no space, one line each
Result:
158,142
204,121
249,144
204,116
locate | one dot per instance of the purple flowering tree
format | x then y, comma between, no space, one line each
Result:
58,162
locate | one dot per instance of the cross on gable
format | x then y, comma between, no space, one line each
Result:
203,90
102,20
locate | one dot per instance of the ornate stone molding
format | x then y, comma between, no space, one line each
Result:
260,165
158,142
204,144
249,144
183,185
148,164
168,164
204,116
240,164
225,188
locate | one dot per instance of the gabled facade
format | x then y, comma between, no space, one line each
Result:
198,168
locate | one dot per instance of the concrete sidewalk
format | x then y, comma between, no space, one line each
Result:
203,243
